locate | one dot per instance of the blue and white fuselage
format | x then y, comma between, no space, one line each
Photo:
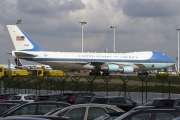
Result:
28,49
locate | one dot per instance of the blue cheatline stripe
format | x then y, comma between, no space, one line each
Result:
97,60
36,46
158,57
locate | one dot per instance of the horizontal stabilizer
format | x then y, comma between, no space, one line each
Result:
22,54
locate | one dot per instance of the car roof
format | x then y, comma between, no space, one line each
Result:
25,94
113,97
47,102
22,118
7,103
78,93
92,105
13,101
165,99
87,105
49,117
50,95
154,108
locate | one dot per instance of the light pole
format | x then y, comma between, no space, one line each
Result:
178,51
82,33
114,27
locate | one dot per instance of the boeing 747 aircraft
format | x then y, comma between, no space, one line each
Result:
26,48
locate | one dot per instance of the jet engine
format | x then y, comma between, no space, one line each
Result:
117,68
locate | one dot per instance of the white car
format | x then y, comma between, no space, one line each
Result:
24,97
87,111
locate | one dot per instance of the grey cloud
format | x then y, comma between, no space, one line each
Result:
45,6
151,8
72,5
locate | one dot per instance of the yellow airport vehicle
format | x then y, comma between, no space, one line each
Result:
13,73
36,72
41,72
55,73
162,75
1,71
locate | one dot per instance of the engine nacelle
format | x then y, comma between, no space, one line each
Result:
128,69
117,68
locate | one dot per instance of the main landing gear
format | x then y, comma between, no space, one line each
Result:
99,73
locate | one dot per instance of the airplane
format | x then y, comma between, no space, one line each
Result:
21,66
26,48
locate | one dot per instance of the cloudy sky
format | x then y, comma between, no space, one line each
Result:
142,25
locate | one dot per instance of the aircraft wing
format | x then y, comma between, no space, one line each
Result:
98,64
102,64
22,54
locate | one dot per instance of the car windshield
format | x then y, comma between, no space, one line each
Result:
65,97
43,97
150,103
82,100
15,97
100,101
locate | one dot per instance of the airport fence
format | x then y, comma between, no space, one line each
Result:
123,85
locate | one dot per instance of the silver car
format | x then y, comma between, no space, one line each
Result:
24,97
87,111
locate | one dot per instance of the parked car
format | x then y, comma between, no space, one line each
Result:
109,116
14,101
48,97
150,114
38,117
24,97
53,111
122,102
86,111
22,118
5,106
5,96
71,97
178,118
84,99
34,108
161,103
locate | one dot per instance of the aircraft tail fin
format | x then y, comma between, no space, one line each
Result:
21,41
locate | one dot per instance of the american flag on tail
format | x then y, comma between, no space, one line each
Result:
19,38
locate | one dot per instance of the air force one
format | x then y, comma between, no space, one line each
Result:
26,48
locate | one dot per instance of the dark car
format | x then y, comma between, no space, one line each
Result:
5,106
22,118
161,103
150,114
122,102
71,97
35,108
5,96
178,118
85,99
38,117
48,97
14,101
